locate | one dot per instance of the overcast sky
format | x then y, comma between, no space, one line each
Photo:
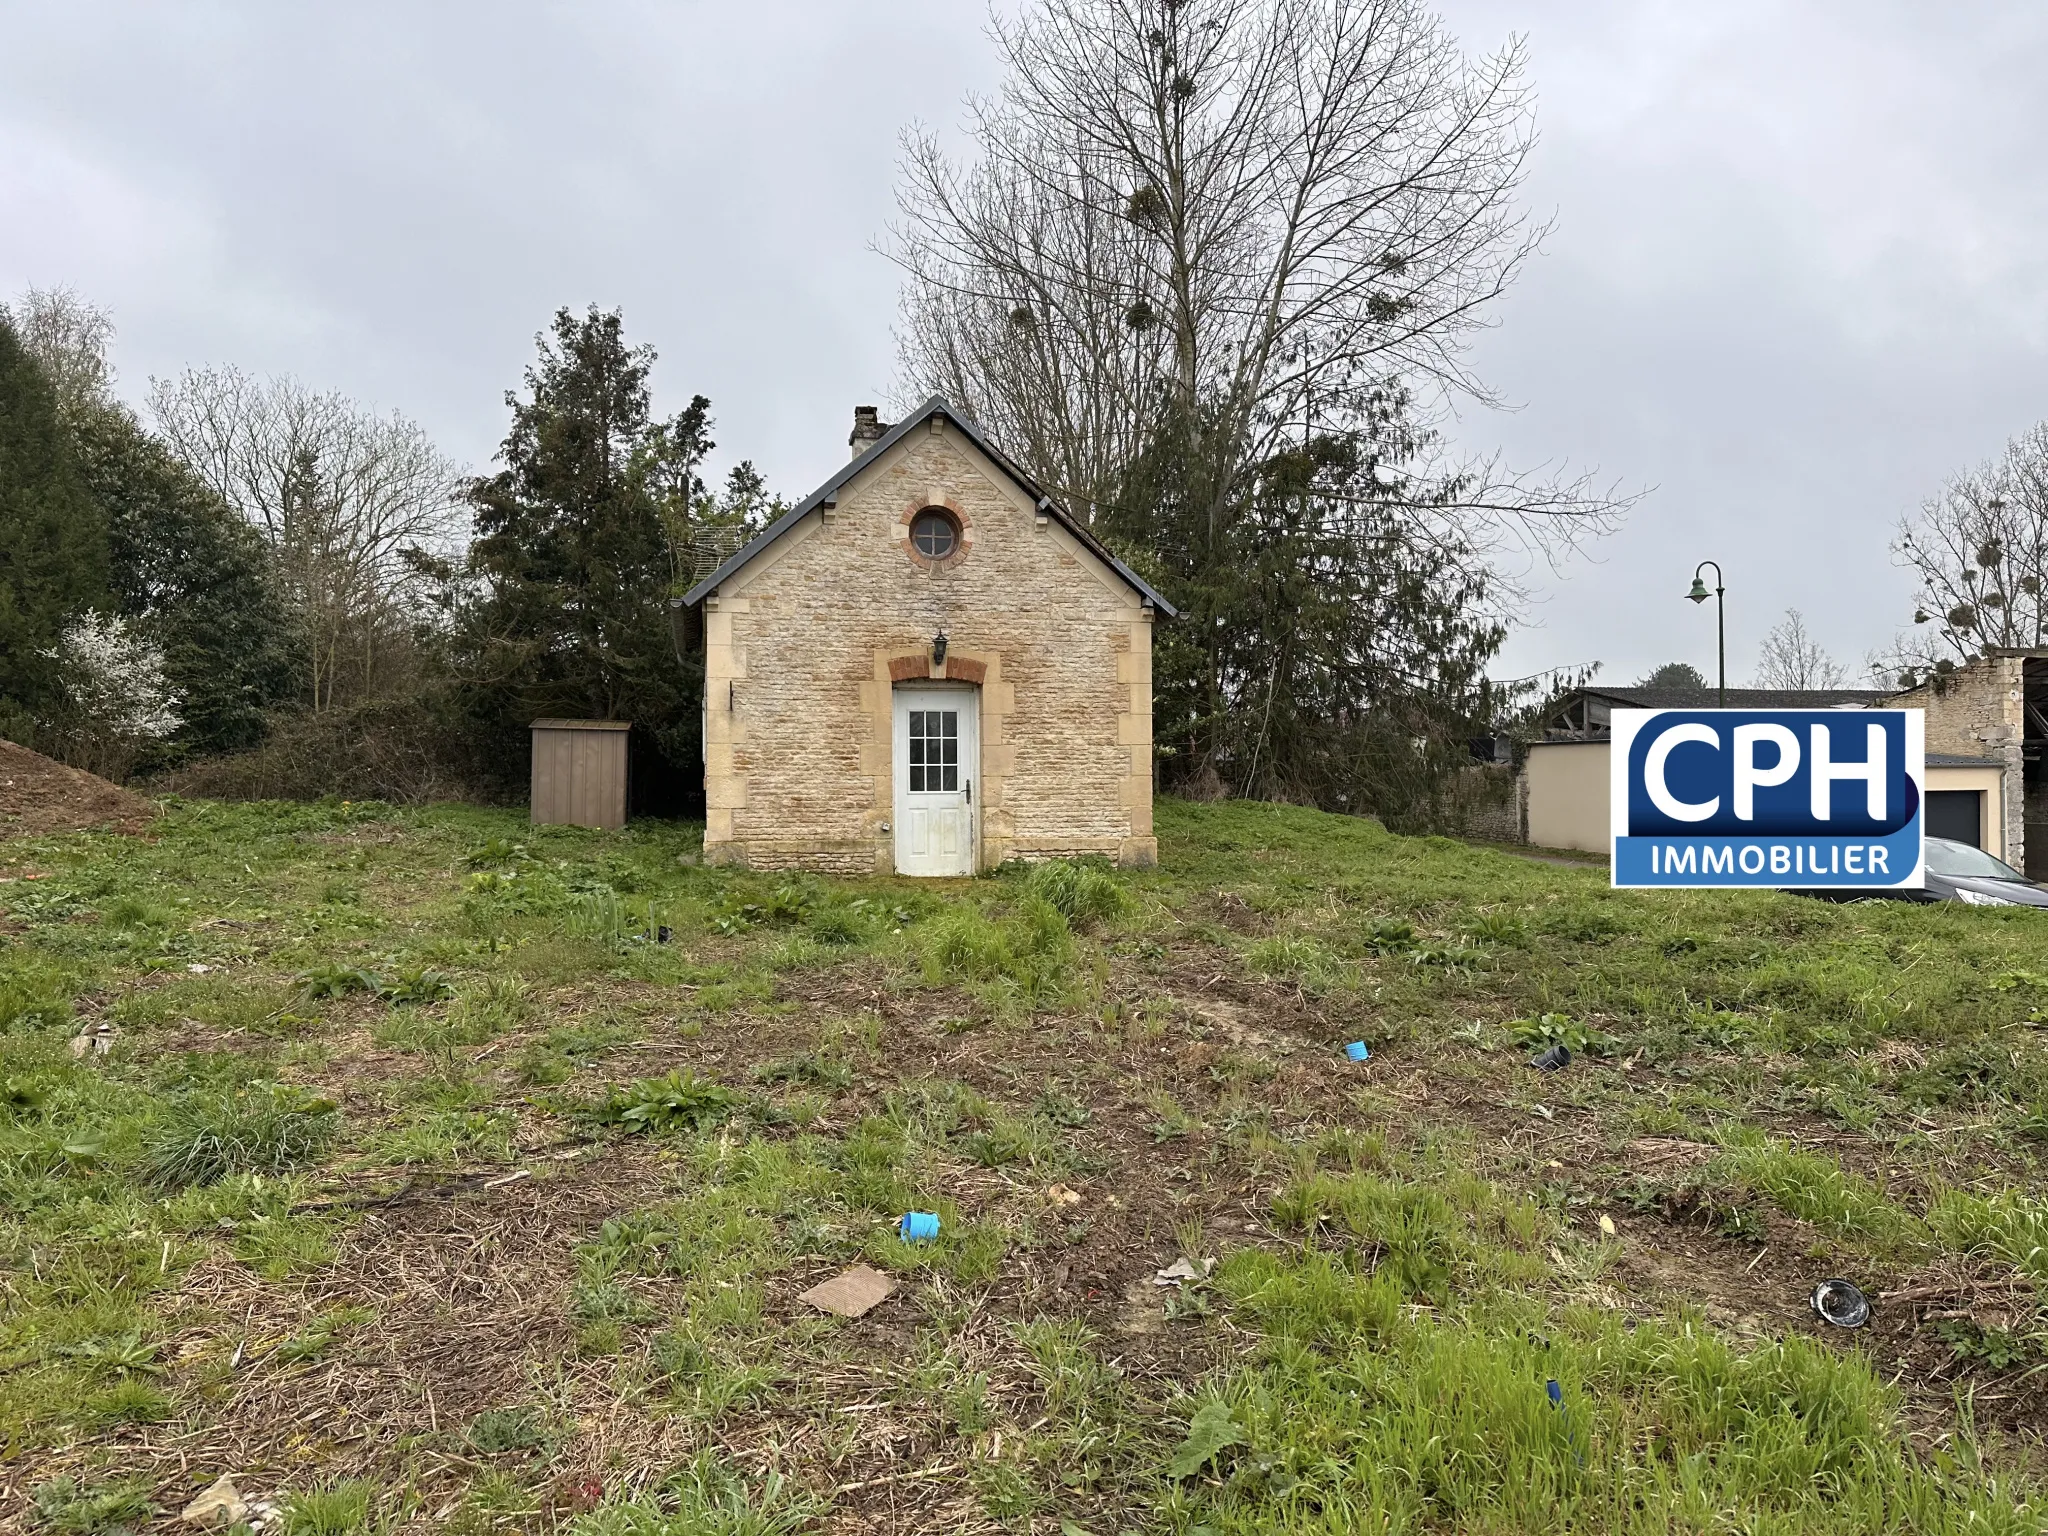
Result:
1799,271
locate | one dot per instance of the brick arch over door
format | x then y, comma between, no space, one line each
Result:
917,665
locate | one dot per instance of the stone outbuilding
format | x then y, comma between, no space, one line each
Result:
927,666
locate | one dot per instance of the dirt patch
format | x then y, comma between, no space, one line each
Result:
1236,914
39,796
462,1295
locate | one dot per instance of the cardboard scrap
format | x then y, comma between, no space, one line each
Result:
1182,1270
93,1040
854,1294
219,1505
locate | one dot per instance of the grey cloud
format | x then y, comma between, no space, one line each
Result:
1799,273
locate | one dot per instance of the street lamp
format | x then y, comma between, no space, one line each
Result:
1699,595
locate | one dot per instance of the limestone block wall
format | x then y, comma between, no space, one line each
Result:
1979,713
805,645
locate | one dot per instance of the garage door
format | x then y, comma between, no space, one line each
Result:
1956,814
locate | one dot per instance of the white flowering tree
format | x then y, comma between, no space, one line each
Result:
117,697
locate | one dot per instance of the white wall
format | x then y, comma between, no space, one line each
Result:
1990,784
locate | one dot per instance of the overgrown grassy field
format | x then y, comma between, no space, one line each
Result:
425,1170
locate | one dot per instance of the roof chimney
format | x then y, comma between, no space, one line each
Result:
868,428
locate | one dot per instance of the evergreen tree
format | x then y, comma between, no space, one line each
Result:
1675,674
195,576
1333,643
581,540
53,541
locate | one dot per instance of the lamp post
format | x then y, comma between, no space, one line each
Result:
1699,595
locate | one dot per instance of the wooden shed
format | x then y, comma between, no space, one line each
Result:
579,772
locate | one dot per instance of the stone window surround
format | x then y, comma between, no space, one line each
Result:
961,549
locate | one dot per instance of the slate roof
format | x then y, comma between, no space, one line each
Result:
829,491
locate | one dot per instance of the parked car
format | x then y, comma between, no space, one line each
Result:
1957,872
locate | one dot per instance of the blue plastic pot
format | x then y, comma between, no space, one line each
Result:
1357,1052
919,1227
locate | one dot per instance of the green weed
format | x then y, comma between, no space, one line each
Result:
31,1001
448,1136
818,1070
417,984
1080,892
260,1128
1062,1108
1026,959
1556,1029
563,1051
1816,1189
707,1497
1296,957
338,1508
336,980
282,1245
2011,1226
1499,928
501,1431
707,1378
1389,936
1972,1343
315,1341
679,1101
66,1506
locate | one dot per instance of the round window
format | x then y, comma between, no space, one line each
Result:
934,534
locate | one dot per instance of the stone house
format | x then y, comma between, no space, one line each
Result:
927,666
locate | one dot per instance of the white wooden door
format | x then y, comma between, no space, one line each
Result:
938,755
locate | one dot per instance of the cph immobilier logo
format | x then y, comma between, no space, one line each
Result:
1805,798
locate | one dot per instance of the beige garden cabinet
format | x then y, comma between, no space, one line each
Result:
580,773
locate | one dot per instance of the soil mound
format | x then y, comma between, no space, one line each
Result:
39,795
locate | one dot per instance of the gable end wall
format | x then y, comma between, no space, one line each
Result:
804,646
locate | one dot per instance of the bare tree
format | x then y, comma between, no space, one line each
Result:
69,336
1267,208
1211,273
1980,552
1793,660
349,500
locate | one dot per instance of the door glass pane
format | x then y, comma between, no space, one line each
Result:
934,743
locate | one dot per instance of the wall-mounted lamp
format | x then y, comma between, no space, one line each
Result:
939,649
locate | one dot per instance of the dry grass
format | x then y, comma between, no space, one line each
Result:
496,1304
